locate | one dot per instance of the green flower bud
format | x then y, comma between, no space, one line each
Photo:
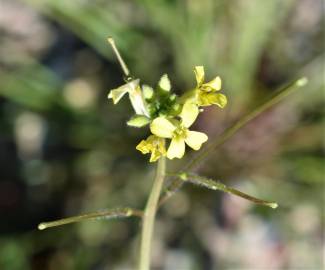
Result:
147,91
164,83
138,121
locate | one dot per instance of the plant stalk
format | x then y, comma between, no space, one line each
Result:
149,215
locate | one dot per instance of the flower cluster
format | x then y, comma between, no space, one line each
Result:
168,115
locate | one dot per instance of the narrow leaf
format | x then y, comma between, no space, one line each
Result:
107,214
217,185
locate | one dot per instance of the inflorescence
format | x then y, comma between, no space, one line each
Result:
169,116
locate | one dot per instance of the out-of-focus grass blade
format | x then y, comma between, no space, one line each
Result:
33,86
253,24
90,21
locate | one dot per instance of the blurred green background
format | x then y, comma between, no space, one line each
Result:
65,149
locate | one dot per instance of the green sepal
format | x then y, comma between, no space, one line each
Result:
138,121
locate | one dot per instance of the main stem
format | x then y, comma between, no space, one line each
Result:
150,214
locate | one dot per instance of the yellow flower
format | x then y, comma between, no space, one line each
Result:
152,144
206,92
135,96
178,131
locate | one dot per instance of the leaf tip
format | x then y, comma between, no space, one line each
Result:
273,205
302,81
42,226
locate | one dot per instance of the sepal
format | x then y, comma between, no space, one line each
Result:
138,121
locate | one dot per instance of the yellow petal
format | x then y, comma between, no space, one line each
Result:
143,147
214,85
176,148
189,113
136,98
199,75
161,147
117,94
161,127
155,155
203,98
153,145
195,139
218,99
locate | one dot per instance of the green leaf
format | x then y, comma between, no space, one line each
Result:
106,214
217,185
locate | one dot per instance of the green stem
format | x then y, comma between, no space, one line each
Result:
150,214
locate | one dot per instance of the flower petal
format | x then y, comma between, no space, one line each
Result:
195,139
155,155
176,148
203,98
118,93
199,75
214,85
136,98
189,113
161,127
143,147
218,99
161,147
152,144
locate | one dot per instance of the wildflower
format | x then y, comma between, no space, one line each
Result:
206,92
135,96
153,144
178,131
